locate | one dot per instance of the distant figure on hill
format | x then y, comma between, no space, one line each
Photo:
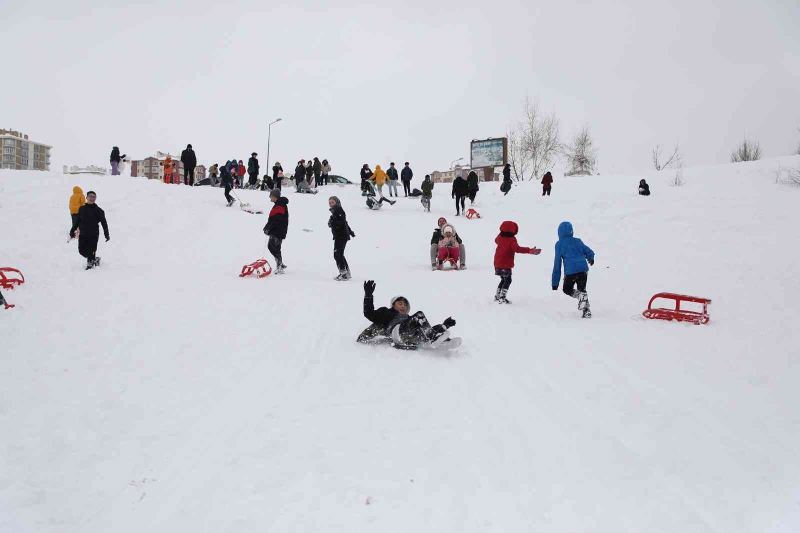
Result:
459,193
392,173
312,182
76,201
169,170
252,170
576,257
227,181
427,192
299,174
506,185
277,227
405,176
644,188
366,174
380,178
277,176
213,173
472,186
317,167
189,160
547,183
115,160
241,170
326,169
89,216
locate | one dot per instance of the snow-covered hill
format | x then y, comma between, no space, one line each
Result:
163,393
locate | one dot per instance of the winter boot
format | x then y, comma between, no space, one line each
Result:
583,300
438,335
433,266
587,312
280,269
340,277
500,296
346,275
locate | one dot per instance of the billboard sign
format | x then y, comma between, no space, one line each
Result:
488,152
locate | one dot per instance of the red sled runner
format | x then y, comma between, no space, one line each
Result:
471,213
681,315
259,268
10,277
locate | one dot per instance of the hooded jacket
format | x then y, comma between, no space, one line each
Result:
366,173
299,173
252,166
507,246
115,157
76,201
572,252
406,174
278,220
547,179
472,181
240,169
380,176
427,188
644,188
438,235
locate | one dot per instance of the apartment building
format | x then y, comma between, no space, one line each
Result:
21,153
447,176
151,168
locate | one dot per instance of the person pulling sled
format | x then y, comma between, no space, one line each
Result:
277,227
402,330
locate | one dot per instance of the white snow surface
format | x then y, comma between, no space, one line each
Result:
163,393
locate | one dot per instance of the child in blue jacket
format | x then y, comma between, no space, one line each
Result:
576,257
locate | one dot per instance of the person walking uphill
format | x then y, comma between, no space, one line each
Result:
576,257
506,185
341,234
227,182
392,173
276,228
252,170
472,186
427,192
89,216
115,160
459,193
547,183
189,160
405,176
504,258
76,201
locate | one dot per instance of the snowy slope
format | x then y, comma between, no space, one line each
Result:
163,393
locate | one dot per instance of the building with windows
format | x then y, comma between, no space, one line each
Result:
447,176
151,168
20,153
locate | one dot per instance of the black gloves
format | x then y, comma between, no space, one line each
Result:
108,238
591,262
555,288
352,234
449,322
369,287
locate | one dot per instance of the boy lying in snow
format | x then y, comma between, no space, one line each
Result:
394,324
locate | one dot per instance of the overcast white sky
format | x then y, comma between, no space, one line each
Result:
373,82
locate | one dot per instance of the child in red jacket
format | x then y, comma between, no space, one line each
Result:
504,257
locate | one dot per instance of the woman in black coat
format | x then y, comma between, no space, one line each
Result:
341,234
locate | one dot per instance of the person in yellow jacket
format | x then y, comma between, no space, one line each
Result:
75,202
380,178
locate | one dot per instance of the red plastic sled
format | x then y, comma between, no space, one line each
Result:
259,269
10,277
681,315
471,213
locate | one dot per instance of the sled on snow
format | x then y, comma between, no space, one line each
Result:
10,278
676,313
259,268
471,213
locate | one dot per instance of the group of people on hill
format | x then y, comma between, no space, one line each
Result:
389,178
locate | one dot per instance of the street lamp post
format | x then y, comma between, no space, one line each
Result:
269,139
453,163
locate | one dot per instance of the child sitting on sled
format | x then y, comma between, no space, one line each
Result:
449,247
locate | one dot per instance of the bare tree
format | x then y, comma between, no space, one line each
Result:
516,155
677,180
657,163
747,151
538,139
581,154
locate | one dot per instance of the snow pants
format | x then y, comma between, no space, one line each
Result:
460,200
578,279
448,252
87,245
505,278
338,254
462,254
546,190
274,247
413,330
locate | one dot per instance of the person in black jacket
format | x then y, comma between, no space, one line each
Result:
189,161
405,176
227,181
276,228
506,185
366,174
89,216
252,170
317,167
115,160
644,188
394,324
341,234
459,193
299,174
472,186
